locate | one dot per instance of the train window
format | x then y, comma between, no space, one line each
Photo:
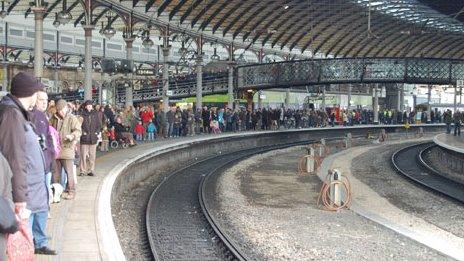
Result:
80,42
49,37
30,34
135,49
112,46
96,44
66,40
16,32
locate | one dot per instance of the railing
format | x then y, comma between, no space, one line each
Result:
211,84
350,70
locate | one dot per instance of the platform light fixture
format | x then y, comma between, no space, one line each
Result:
108,31
56,23
64,16
215,56
3,13
147,42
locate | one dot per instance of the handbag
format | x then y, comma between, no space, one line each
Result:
19,246
8,222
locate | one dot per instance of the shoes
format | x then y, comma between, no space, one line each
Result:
90,174
69,196
45,251
81,174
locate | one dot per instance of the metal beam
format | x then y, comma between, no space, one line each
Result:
452,48
227,15
134,3
395,42
203,11
79,19
177,8
288,24
249,19
246,9
51,7
99,16
316,25
210,18
405,46
12,5
161,8
271,14
392,41
439,46
282,22
189,10
28,11
346,22
427,45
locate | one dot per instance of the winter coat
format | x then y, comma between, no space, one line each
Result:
91,126
13,121
70,125
139,129
5,191
41,128
151,128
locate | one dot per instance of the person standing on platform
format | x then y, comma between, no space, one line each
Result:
91,128
20,145
457,123
5,192
69,128
40,120
448,119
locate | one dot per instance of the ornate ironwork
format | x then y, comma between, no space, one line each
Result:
350,70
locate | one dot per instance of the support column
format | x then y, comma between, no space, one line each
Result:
398,98
88,62
39,12
429,100
287,99
402,98
166,51
5,60
455,98
230,87
129,56
349,96
323,97
376,104
199,91
260,101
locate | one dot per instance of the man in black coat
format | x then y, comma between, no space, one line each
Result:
91,128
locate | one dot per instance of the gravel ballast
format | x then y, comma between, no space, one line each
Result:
272,212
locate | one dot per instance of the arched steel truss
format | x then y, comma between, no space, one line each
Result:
336,27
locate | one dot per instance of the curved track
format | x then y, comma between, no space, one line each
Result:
409,162
178,224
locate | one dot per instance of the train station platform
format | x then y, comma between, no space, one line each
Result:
450,142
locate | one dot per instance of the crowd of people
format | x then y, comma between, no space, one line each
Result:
47,144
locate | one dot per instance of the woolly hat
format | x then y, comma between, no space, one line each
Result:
87,102
61,104
25,85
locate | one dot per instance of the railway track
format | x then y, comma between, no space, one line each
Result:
409,162
178,223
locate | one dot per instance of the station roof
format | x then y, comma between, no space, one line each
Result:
341,28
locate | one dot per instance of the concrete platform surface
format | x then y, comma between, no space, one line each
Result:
451,142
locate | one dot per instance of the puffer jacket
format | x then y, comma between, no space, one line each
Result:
70,125
91,126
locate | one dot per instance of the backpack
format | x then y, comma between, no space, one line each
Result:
56,140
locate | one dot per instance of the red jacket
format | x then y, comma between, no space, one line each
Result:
146,116
139,129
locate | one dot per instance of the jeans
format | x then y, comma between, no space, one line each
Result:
170,129
37,224
139,137
448,128
151,136
457,129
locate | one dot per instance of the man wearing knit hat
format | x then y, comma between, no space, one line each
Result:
91,128
20,145
69,128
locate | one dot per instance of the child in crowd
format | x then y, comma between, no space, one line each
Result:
112,134
139,130
105,139
151,130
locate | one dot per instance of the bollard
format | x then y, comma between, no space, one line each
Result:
310,162
335,193
348,140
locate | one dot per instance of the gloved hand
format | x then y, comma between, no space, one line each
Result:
69,137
